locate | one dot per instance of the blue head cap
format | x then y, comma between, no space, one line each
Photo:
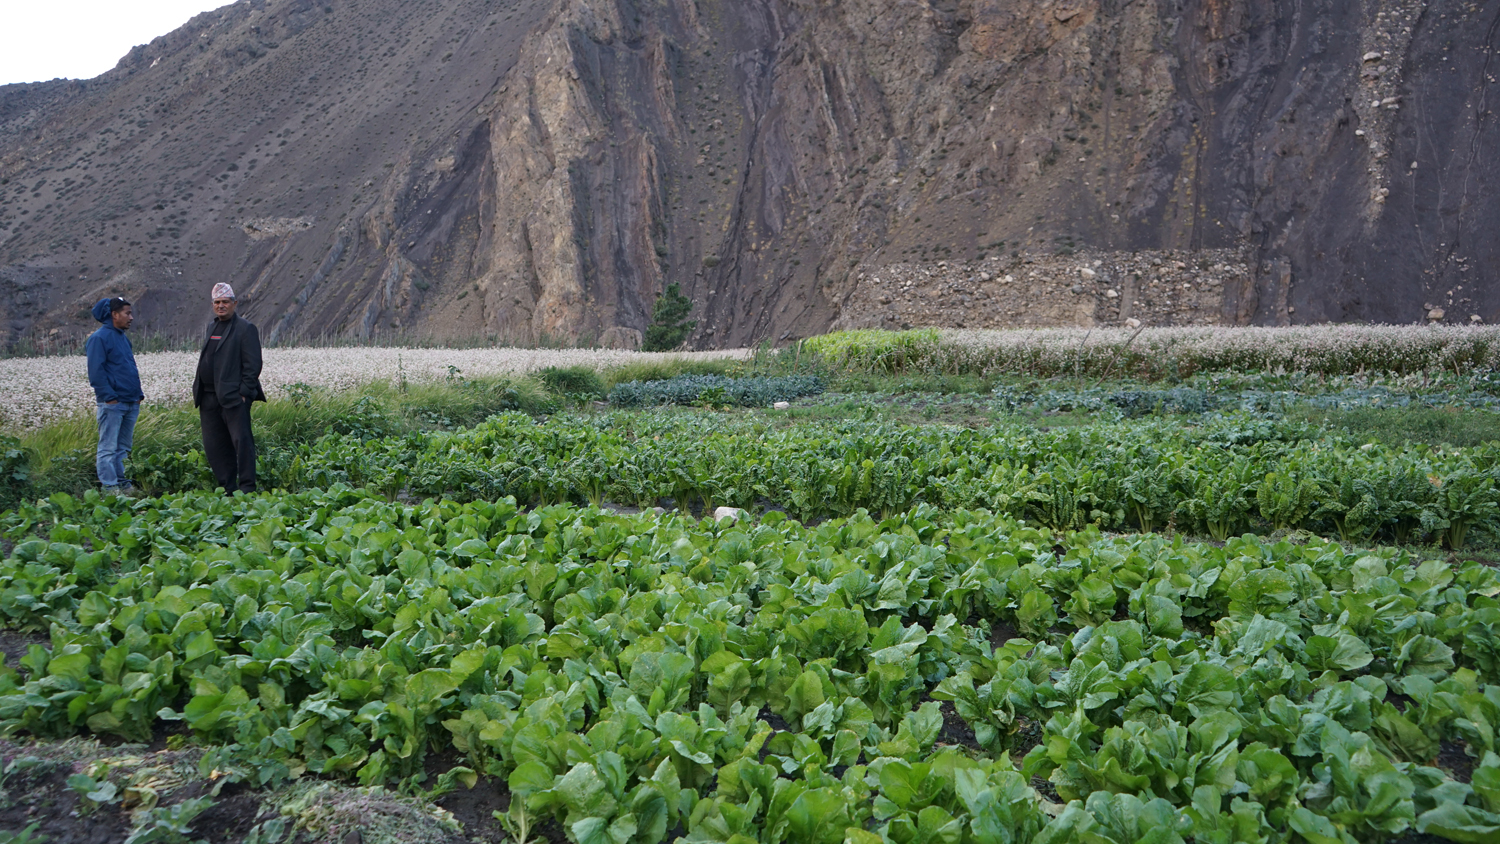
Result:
105,307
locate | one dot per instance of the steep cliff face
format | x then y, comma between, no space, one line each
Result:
539,170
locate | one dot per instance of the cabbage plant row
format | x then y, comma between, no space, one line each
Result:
930,678
1221,477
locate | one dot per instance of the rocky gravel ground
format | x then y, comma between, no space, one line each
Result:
1030,290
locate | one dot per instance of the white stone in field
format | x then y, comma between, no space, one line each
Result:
1132,323
782,405
1372,56
1008,279
1476,318
1436,314
731,513
1087,272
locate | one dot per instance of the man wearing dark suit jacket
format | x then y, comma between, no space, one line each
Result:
228,381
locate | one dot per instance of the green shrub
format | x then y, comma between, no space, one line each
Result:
875,350
158,472
1458,426
572,381
15,471
669,323
72,472
662,370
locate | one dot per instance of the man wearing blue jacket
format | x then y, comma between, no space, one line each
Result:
117,391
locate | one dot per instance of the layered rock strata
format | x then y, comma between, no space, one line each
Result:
538,171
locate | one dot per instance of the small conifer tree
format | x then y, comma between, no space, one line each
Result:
669,324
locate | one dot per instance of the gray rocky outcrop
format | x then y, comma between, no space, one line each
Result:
537,171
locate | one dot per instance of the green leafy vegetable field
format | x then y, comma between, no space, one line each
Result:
1246,599
1217,477
941,676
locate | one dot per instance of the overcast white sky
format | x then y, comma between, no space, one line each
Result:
80,39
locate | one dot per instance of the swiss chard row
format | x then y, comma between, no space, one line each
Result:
771,682
1223,478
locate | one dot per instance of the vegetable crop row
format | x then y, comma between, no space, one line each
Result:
739,683
1227,476
1131,402
715,390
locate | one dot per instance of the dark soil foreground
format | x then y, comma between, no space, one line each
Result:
151,781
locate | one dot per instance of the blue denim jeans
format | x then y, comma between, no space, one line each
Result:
116,435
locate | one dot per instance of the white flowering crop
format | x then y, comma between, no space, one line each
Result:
1157,352
38,390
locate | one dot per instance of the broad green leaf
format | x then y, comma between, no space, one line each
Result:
1366,571
73,666
472,548
1163,616
1485,780
529,778
1425,656
1269,775
1461,823
583,792
93,609
1316,829
805,695
1344,652
1205,688
425,687
1037,613
200,644
818,816
467,663
926,724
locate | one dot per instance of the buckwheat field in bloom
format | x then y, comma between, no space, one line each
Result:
37,390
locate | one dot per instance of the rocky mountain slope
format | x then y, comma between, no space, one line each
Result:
539,170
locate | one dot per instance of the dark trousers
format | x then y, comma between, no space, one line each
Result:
228,443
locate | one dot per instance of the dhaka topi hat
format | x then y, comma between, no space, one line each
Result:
223,291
